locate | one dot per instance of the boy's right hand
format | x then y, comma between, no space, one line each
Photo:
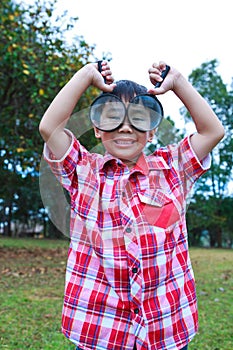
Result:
103,80
53,123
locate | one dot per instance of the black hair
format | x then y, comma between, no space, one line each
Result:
127,89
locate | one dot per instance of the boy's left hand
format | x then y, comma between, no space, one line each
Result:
155,76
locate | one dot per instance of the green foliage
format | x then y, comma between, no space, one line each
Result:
210,209
35,62
166,134
210,85
210,218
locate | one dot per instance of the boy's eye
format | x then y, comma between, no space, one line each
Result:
138,118
113,117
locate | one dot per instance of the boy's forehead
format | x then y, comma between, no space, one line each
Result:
126,100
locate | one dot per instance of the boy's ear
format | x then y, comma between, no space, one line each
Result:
97,133
151,135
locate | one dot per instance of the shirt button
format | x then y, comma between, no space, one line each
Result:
136,311
134,270
128,230
123,194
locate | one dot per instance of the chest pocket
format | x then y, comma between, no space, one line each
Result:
158,209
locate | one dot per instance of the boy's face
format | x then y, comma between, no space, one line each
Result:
125,143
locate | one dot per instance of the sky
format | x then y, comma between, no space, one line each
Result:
183,33
137,33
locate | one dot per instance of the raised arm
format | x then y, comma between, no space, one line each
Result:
209,128
58,113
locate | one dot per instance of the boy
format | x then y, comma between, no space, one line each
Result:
129,280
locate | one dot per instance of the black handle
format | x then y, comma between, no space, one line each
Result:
100,69
163,75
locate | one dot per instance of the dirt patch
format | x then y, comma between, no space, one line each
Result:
22,262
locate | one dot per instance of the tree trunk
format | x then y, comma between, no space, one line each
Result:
9,218
219,237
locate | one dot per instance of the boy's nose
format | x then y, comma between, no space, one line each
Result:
125,126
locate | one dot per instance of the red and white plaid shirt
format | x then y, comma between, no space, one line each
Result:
129,276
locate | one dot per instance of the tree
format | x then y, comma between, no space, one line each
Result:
35,62
212,190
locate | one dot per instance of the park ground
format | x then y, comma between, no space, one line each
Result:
32,283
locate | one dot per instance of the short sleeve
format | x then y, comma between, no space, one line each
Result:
191,165
64,168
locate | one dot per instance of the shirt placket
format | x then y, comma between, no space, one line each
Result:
131,245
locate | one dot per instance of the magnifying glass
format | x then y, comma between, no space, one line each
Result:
144,111
108,112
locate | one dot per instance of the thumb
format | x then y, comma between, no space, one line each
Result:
156,91
108,87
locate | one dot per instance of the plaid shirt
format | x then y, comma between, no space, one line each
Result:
129,276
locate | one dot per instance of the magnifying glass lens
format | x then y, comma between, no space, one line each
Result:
107,112
139,116
145,112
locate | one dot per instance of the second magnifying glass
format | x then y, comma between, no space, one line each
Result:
108,112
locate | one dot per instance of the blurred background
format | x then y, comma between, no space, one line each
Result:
43,43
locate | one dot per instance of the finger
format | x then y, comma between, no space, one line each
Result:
103,66
155,77
163,76
108,77
153,69
158,67
162,64
106,72
104,69
104,63
155,65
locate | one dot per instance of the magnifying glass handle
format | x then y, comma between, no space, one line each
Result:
100,69
163,75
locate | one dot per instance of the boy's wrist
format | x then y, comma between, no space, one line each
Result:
178,82
88,72
180,85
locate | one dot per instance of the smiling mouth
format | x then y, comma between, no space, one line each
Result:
124,142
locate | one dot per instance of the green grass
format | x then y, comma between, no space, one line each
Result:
214,277
32,284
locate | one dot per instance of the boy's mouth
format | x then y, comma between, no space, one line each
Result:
124,141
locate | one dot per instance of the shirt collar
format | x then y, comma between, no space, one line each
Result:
110,162
144,165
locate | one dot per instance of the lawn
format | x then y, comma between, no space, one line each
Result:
32,283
